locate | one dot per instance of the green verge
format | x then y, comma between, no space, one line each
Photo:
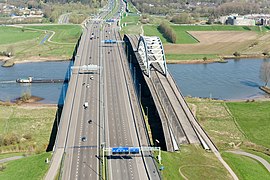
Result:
194,163
245,167
32,167
9,35
254,120
190,56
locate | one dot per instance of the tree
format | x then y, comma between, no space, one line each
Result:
265,72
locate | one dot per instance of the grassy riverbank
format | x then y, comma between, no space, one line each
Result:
31,42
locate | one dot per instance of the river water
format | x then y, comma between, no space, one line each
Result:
51,92
237,79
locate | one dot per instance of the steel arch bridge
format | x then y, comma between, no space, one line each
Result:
151,50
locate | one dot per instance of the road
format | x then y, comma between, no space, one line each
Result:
64,18
258,158
110,110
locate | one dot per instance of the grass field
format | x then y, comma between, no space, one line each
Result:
236,125
30,168
254,120
245,167
193,163
151,30
183,37
9,35
25,129
64,42
63,33
217,122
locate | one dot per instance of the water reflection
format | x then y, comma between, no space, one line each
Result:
237,79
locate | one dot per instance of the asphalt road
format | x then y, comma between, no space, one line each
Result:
81,159
110,110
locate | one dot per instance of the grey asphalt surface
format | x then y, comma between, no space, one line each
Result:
110,111
10,159
258,158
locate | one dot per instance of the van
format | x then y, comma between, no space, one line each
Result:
85,105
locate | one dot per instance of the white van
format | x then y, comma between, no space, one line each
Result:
85,105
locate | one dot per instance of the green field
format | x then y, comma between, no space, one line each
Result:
62,47
25,129
151,30
254,120
217,28
194,163
183,37
9,35
130,20
237,125
30,168
245,167
63,33
190,56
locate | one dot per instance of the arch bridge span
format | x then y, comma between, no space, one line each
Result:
157,89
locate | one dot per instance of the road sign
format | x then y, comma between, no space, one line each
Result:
134,150
120,150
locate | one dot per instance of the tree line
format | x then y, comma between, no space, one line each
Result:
167,32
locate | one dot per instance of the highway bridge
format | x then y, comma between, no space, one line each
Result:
110,84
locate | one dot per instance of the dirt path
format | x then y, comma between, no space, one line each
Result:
258,158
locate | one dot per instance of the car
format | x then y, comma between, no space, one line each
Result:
88,85
84,139
91,77
90,121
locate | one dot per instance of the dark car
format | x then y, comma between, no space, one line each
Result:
84,139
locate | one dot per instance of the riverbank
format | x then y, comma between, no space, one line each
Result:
11,62
222,59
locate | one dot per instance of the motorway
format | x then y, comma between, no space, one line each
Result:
114,122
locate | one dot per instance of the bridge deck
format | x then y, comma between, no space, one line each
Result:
174,113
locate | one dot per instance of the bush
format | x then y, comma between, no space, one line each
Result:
11,139
236,54
204,58
26,96
167,32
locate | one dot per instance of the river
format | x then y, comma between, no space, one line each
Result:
51,92
237,79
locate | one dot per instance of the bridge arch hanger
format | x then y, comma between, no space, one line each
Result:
151,50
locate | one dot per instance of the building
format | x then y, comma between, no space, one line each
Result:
240,21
